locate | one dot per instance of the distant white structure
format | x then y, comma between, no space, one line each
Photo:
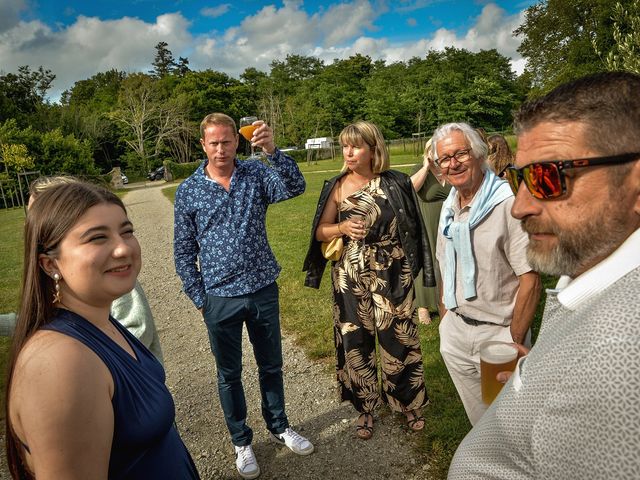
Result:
320,142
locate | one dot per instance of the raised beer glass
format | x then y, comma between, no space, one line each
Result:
246,130
495,357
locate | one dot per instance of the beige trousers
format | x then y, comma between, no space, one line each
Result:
460,350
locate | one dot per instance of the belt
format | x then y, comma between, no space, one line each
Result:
473,321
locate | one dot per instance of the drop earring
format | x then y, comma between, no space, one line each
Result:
57,298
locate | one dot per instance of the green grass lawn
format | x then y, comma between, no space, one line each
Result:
306,312
11,228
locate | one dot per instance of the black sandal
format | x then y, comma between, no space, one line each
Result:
365,432
416,419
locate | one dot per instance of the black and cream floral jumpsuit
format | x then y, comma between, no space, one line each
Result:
373,296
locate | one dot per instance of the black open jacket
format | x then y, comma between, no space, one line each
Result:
413,236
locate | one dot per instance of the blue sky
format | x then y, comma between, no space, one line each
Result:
78,38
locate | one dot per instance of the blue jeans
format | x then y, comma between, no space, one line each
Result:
224,317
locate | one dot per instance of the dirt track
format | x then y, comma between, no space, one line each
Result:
312,406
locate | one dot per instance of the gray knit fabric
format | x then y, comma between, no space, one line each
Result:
7,324
576,414
133,311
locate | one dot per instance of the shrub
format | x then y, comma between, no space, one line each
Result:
300,156
181,170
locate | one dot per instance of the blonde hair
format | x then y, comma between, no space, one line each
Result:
361,133
428,153
42,184
217,119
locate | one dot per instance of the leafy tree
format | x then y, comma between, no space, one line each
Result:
182,67
23,93
625,54
15,157
387,97
11,133
210,91
288,74
65,154
148,120
84,113
557,39
450,85
100,92
337,94
163,63
274,95
52,152
253,78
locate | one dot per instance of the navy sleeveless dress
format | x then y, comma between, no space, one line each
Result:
145,443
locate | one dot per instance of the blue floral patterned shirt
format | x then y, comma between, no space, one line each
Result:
225,233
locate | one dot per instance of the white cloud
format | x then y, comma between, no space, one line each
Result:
411,5
91,45
215,12
273,32
10,13
345,21
493,29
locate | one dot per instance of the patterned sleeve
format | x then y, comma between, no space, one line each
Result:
283,179
186,248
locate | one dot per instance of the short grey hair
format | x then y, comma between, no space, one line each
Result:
479,148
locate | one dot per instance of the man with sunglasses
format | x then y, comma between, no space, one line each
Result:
571,409
489,290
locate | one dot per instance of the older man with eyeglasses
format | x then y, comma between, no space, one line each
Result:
571,409
489,290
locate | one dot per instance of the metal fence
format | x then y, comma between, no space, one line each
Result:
14,192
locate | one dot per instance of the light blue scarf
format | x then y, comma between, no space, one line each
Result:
492,191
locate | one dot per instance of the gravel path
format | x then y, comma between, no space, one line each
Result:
310,387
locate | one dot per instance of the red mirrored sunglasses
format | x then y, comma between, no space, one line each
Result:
546,179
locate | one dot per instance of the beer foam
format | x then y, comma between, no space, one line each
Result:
498,353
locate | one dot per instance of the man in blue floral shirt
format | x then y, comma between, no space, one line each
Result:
229,271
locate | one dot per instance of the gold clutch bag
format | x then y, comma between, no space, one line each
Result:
333,249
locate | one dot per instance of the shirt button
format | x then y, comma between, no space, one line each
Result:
401,211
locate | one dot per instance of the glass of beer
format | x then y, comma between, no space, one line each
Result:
246,130
495,357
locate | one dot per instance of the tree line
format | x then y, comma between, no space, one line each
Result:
137,120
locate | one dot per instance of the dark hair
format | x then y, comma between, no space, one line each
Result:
55,210
607,103
499,153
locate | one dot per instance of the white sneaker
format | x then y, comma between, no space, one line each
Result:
296,442
246,462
